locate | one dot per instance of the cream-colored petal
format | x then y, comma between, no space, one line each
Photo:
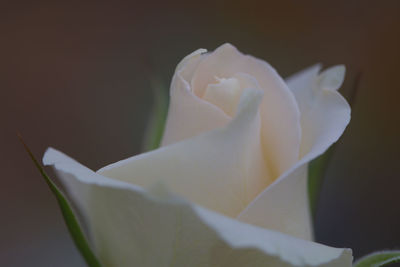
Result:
222,170
283,206
324,112
280,116
225,94
186,68
188,115
132,227
324,116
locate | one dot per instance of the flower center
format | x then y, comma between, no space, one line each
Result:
225,94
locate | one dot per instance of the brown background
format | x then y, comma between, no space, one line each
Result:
77,77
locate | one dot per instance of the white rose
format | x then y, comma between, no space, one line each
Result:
229,185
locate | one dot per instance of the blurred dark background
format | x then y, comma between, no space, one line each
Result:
78,77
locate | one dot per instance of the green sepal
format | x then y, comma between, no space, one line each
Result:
158,117
316,172
69,217
378,259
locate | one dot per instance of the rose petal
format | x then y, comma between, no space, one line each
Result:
283,206
324,116
280,116
222,170
189,115
324,112
225,94
132,227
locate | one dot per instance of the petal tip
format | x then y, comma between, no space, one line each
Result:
250,98
50,155
333,77
227,49
227,46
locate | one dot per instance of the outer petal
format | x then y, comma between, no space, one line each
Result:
189,115
324,116
280,116
222,170
324,112
131,227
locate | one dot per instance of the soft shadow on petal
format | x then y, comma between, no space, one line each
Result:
324,116
132,227
280,116
283,206
222,170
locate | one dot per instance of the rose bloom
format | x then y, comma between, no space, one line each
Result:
228,187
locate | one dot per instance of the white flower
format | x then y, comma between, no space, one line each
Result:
229,185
